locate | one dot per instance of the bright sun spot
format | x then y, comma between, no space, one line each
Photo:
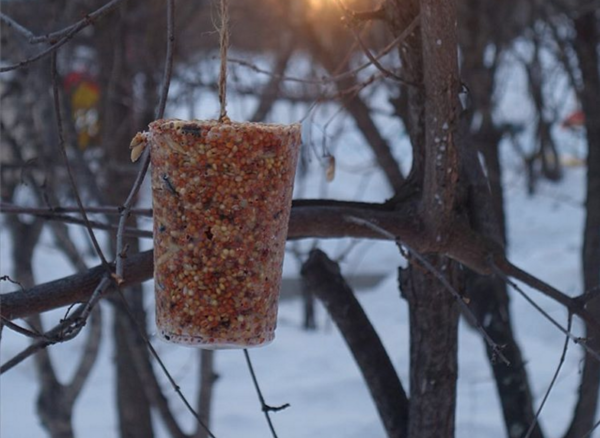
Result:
317,4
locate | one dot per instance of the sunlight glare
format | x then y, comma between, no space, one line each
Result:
317,4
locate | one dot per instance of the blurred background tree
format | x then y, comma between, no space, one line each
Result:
109,77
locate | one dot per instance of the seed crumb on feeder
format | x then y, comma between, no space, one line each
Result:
222,196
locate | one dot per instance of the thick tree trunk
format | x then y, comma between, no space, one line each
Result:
586,46
433,349
429,57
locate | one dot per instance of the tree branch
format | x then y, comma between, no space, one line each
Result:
325,280
65,35
309,219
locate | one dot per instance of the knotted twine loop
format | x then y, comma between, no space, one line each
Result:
224,45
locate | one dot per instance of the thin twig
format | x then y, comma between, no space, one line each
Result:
88,357
166,372
575,339
34,334
89,306
461,302
160,112
66,330
8,208
553,381
9,22
127,206
264,407
10,280
65,35
63,151
65,218
594,427
365,49
411,27
376,14
574,305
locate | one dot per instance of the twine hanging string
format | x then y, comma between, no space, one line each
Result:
224,45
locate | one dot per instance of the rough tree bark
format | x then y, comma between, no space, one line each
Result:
433,349
433,312
587,41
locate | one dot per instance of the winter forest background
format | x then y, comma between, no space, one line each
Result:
442,270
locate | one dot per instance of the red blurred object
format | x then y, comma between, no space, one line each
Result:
574,120
76,78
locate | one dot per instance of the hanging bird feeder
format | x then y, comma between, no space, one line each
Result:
222,196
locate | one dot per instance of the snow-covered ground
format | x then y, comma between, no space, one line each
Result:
313,371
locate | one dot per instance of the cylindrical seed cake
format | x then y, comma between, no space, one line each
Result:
221,199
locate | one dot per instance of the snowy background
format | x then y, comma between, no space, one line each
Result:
313,371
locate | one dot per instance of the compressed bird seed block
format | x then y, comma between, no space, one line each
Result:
222,196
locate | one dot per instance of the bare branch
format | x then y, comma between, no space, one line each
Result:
388,74
66,330
324,279
72,289
310,218
264,406
552,382
49,215
324,219
8,208
146,158
160,112
342,76
442,278
9,22
568,333
141,332
152,388
572,304
89,356
270,92
65,35
34,334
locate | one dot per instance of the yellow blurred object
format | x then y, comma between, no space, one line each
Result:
84,96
